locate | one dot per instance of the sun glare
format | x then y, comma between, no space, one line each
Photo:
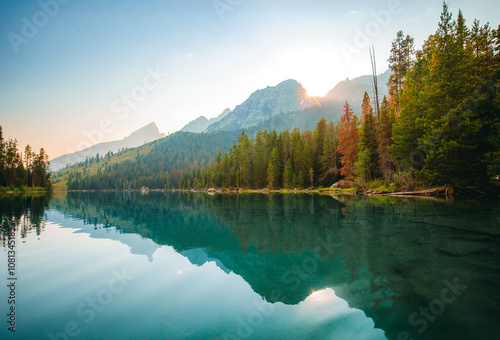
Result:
322,296
306,99
311,92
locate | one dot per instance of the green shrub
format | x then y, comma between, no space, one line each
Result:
378,184
404,180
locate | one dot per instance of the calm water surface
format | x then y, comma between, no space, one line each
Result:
189,265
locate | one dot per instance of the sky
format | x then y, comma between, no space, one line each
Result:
75,73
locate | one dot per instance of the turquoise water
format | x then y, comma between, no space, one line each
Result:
190,265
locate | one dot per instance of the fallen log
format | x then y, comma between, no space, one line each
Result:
426,192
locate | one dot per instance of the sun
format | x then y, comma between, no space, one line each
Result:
306,99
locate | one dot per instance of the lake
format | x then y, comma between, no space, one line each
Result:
121,265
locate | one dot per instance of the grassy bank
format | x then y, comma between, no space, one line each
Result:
22,189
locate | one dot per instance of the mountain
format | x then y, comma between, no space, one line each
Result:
286,106
200,124
263,104
353,91
329,107
142,136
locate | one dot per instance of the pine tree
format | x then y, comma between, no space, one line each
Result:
328,159
226,171
347,147
319,140
3,179
14,168
286,145
296,154
300,179
273,169
400,62
261,159
28,164
385,141
368,158
408,127
217,172
307,157
244,159
311,177
288,178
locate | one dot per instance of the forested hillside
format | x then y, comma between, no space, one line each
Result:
158,164
142,136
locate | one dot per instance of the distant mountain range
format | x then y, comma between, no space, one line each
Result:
263,104
200,124
287,105
140,137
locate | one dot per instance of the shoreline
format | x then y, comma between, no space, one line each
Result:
26,192
349,192
443,192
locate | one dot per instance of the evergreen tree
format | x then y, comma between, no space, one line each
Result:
408,127
286,142
368,158
311,177
226,171
3,179
28,165
273,175
217,172
261,159
288,178
244,158
385,141
347,147
14,168
329,169
307,157
400,62
296,155
319,145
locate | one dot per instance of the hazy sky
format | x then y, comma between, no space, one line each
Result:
79,72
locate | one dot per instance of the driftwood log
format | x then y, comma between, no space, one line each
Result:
427,192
